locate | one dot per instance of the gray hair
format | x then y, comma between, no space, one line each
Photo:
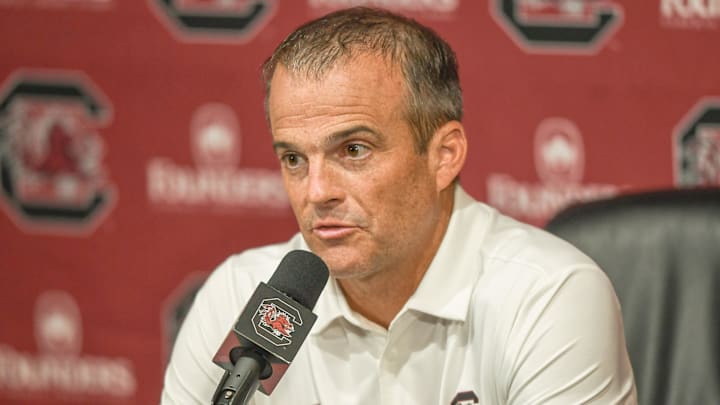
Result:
428,64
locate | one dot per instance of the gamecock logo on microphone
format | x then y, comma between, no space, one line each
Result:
276,320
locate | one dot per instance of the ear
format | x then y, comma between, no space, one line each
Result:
447,150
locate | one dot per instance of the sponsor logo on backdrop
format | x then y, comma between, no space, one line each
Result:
52,174
690,14
215,182
427,8
59,368
697,145
558,26
214,20
559,163
59,4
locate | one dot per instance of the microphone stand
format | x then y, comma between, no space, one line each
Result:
238,386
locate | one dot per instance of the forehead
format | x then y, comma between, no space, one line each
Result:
365,85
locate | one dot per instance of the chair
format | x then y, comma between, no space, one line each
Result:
661,250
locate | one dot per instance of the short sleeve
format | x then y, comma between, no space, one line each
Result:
568,345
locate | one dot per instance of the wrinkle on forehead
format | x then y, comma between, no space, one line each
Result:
318,133
321,116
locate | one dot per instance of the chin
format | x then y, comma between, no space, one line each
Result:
343,266
349,270
343,261
339,267
352,274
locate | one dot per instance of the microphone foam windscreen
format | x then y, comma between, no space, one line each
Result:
301,275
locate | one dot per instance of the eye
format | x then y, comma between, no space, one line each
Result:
356,150
292,160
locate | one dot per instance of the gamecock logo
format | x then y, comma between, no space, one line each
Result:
236,20
275,320
557,26
51,151
697,145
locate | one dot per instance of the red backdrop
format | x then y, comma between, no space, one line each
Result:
134,155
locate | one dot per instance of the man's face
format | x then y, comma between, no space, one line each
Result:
364,199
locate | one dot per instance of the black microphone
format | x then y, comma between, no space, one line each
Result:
270,329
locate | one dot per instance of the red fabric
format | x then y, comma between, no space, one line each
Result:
135,157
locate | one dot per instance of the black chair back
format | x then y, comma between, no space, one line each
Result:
661,251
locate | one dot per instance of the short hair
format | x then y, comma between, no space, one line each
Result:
428,64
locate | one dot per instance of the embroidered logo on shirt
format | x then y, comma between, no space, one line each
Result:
465,398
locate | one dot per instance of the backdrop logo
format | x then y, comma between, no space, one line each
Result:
690,14
560,163
697,145
558,26
215,182
215,136
59,367
51,152
559,152
208,20
275,321
58,327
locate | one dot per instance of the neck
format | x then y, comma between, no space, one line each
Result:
379,297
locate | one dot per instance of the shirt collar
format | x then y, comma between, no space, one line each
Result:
446,288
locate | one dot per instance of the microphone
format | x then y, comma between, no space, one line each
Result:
270,329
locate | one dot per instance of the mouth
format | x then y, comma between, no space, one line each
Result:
330,232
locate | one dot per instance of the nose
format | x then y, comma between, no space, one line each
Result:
323,184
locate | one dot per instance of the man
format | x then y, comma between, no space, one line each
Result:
434,298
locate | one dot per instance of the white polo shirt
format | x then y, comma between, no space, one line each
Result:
506,314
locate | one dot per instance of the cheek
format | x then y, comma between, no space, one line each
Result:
295,196
401,197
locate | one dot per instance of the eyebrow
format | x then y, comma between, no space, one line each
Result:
334,138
